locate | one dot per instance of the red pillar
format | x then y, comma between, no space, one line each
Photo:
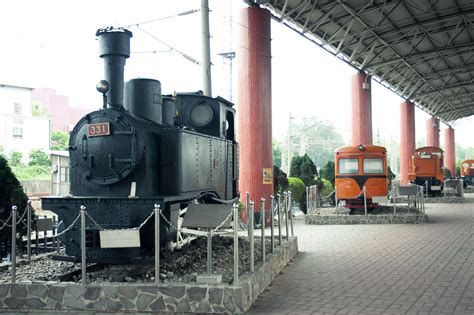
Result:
254,109
449,151
407,139
361,109
432,132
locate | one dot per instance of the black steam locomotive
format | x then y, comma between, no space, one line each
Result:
141,149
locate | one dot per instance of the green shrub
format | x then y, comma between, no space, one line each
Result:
11,193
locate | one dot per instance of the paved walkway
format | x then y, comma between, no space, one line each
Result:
380,269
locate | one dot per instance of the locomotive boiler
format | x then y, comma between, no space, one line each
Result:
140,149
359,168
427,169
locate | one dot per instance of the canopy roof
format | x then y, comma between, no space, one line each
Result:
420,49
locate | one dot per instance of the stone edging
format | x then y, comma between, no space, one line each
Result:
402,218
172,297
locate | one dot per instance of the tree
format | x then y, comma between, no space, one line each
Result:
59,140
321,139
39,158
276,148
304,168
297,188
15,158
11,193
280,181
328,172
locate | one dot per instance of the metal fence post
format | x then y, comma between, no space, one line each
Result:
394,197
262,219
14,209
236,244
45,237
365,200
28,231
279,218
83,244
316,197
209,252
307,200
285,205
290,207
252,250
157,242
272,228
247,208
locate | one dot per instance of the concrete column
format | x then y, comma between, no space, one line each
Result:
361,109
254,104
432,132
450,151
407,139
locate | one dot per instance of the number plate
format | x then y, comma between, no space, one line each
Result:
100,129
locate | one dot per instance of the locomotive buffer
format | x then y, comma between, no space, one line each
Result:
206,220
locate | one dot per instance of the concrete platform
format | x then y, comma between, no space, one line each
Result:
425,268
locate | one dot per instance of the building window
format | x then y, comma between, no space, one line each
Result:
17,109
17,120
64,171
17,132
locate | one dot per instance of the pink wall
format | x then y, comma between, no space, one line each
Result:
63,117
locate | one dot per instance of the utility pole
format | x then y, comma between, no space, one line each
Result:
290,151
206,49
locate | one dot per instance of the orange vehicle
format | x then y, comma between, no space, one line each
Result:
467,172
357,167
427,169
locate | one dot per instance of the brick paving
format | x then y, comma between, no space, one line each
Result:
380,269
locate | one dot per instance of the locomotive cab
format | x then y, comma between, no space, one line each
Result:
358,169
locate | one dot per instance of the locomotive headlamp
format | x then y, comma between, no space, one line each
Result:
102,86
360,147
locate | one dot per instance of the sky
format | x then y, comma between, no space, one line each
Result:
52,44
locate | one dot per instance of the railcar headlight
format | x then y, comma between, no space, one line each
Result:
102,86
360,147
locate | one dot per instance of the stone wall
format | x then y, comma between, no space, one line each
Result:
123,297
369,219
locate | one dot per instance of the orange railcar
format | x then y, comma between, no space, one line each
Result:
427,169
357,167
467,172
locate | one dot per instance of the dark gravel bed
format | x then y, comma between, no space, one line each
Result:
175,266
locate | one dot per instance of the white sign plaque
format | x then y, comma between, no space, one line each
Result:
119,238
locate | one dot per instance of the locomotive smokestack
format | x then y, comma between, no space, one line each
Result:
114,48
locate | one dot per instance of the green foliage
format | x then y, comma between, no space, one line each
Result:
11,193
59,140
276,148
304,169
328,172
39,110
2,151
37,172
447,172
327,187
280,181
15,158
297,188
39,158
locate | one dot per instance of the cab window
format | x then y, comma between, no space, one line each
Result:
373,166
348,166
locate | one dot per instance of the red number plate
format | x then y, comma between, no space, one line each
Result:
100,129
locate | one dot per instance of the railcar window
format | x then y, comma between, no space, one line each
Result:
373,166
348,166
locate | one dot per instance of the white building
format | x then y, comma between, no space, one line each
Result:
19,130
60,173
